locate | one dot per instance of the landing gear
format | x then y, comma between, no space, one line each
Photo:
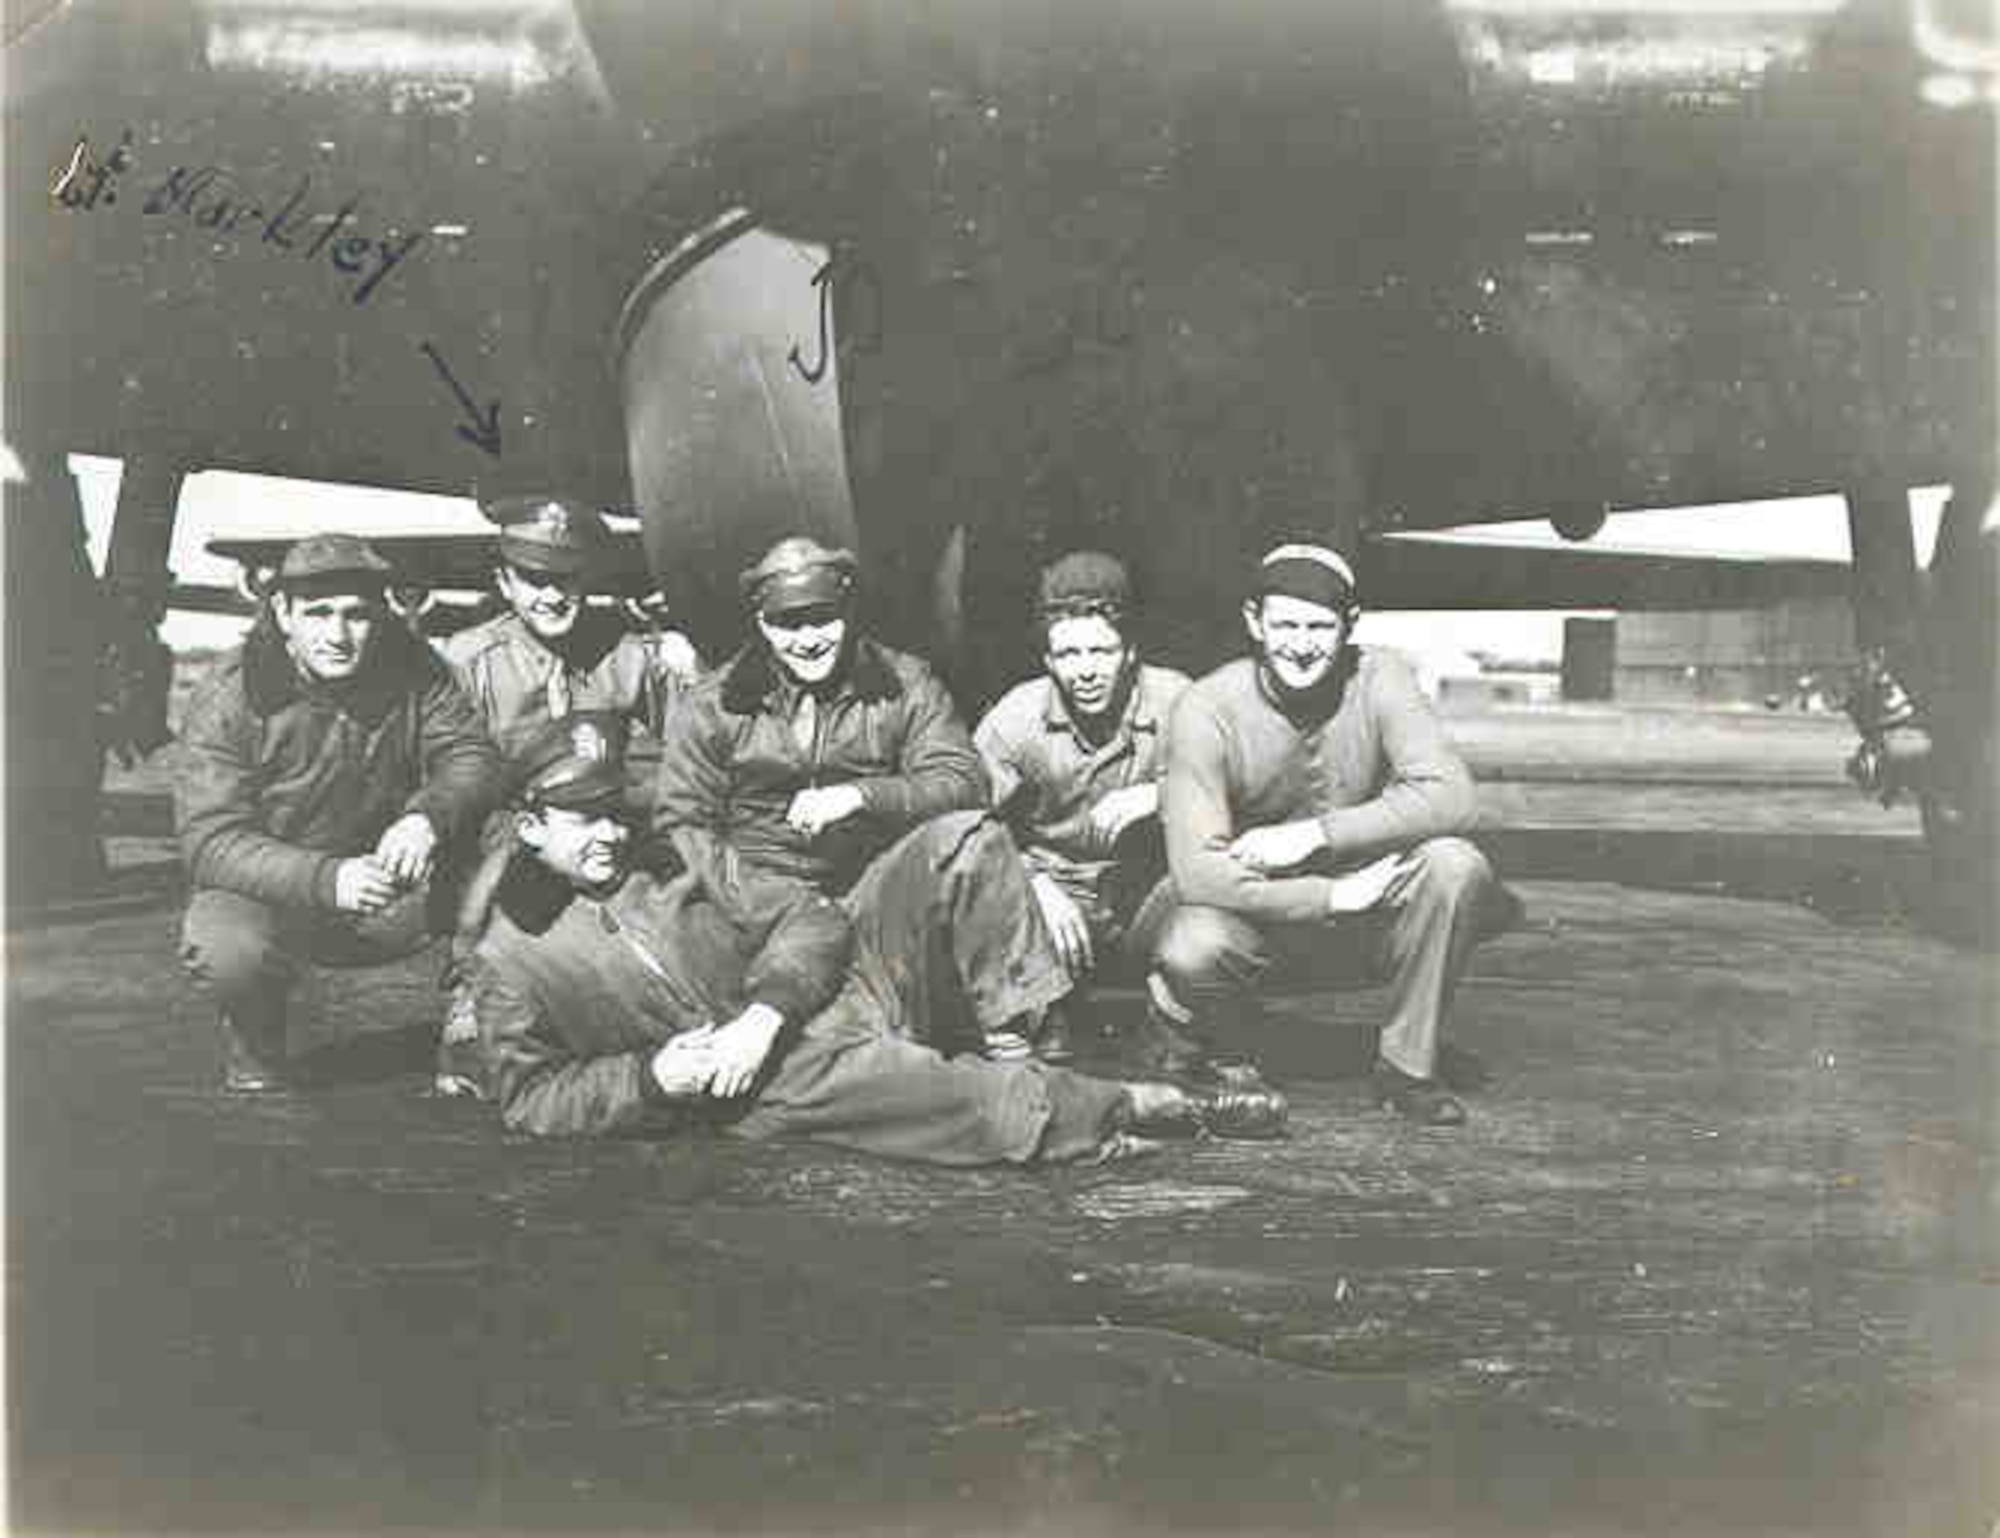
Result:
87,674
1924,698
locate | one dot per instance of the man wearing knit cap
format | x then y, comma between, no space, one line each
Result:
818,756
1075,759
329,768
1313,811
617,999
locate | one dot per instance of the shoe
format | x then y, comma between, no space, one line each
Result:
1006,1045
1462,1071
252,1057
1217,1113
1504,914
1424,1101
1052,1042
1161,1051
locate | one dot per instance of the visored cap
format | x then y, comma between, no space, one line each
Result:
552,534
797,573
577,763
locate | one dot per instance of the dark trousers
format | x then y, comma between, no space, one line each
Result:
948,943
1210,963
847,1081
250,954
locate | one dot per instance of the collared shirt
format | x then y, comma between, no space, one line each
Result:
520,684
1048,775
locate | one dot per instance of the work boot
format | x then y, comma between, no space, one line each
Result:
1424,1101
253,1055
1163,1051
1170,1110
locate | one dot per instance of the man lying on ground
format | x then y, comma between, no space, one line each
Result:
614,999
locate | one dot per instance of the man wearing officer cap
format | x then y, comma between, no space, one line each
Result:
820,757
327,770
1314,814
610,998
1075,758
552,654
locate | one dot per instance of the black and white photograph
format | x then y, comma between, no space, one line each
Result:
1001,768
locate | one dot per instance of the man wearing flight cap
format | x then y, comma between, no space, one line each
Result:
818,756
613,999
328,768
1313,811
1075,758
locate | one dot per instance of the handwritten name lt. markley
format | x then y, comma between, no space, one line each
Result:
211,198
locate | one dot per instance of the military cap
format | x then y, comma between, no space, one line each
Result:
576,762
797,573
1086,582
1316,573
332,563
546,533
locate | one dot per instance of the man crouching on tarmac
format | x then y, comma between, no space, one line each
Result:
611,998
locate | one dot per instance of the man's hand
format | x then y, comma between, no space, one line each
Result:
738,1049
1067,925
1118,810
672,653
406,848
818,808
362,885
686,1064
1282,846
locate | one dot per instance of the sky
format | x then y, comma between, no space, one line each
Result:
218,503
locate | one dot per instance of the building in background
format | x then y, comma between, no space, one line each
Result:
1793,655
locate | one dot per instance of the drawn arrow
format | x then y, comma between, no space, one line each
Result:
482,430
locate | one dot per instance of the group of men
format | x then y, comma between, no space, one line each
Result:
792,895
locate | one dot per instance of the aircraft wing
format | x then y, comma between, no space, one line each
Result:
449,561
1401,571
1421,571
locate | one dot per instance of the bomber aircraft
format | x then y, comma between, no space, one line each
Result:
968,283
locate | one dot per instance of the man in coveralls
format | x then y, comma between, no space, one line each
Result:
1313,810
817,756
329,766
1075,759
613,999
552,654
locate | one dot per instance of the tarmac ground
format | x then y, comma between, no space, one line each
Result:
1719,1251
